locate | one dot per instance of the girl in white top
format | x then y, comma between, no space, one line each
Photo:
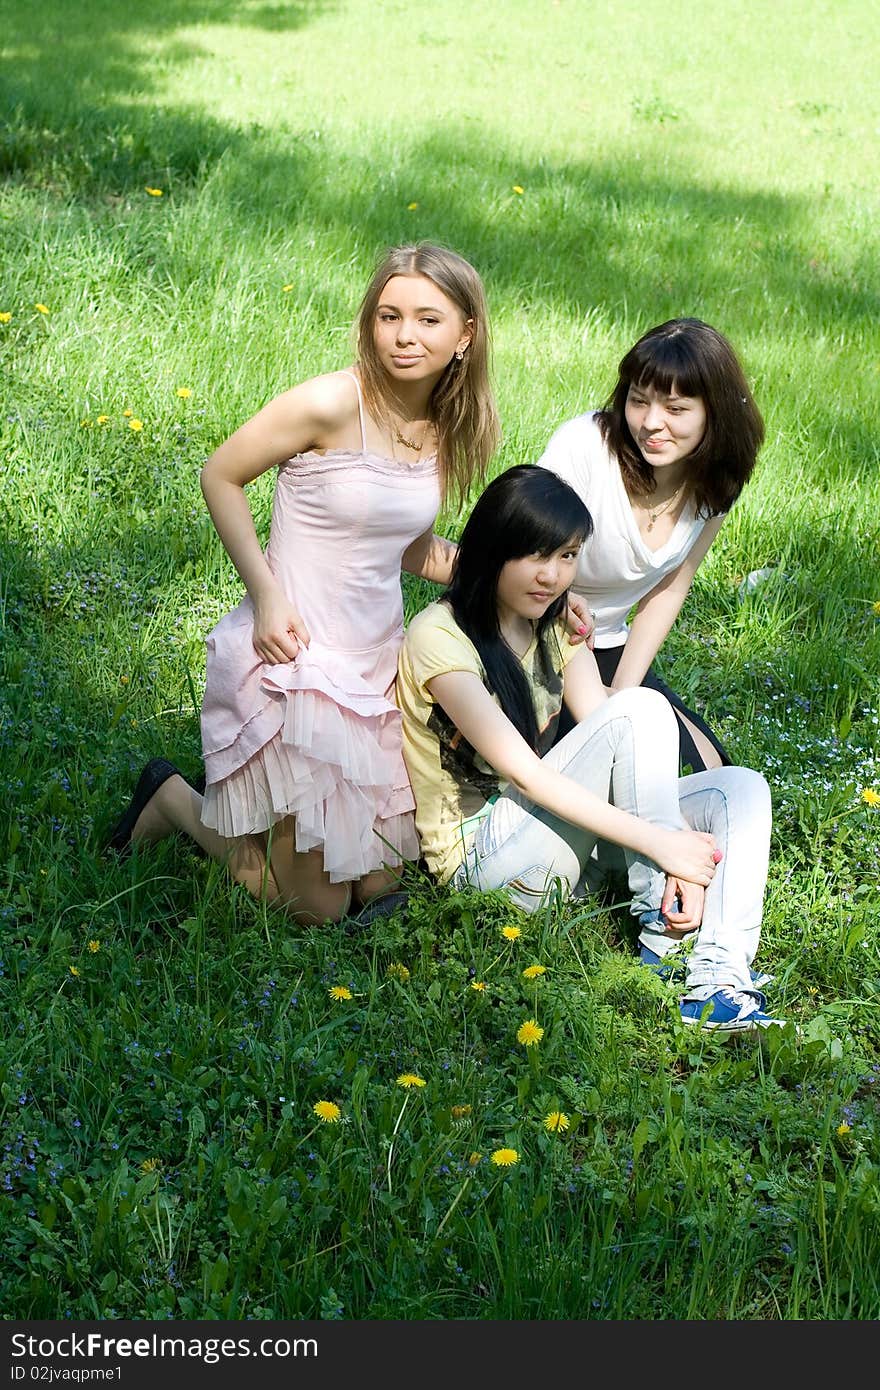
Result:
658,468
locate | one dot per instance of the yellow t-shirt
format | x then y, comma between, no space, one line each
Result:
451,782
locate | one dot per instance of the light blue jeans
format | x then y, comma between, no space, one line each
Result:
627,753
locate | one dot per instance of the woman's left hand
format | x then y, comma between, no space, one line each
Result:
691,897
581,621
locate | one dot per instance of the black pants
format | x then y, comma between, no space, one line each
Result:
608,660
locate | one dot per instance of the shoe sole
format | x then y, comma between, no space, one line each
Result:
733,1025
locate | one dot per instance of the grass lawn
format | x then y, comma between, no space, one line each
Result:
193,197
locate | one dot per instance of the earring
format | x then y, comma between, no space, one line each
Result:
458,354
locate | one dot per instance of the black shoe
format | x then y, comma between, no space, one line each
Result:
379,907
156,772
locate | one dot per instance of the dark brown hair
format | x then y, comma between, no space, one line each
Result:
695,360
462,403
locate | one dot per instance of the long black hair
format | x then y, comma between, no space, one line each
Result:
524,511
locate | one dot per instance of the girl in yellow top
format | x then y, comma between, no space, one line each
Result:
483,676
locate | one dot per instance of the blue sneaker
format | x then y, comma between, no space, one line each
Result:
760,978
663,966
728,1011
674,964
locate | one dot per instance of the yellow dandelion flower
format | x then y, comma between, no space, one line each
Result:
285,289
5,317
73,970
505,1158
532,972
870,797
518,189
458,1112
41,309
844,1128
875,606
184,393
409,1079
153,192
478,985
339,992
512,933
529,1033
127,414
103,419
94,947
151,1165
557,1122
397,971
474,1158
135,425
411,207
327,1112
85,424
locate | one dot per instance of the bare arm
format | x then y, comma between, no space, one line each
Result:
687,853
315,414
658,610
430,557
582,688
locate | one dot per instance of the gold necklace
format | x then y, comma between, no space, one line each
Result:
664,507
411,443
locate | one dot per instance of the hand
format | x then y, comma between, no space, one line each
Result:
688,854
581,621
279,631
691,896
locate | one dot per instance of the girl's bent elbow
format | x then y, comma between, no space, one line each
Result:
524,787
209,478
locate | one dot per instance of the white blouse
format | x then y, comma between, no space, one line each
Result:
616,569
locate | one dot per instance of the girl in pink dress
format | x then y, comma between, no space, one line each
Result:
307,799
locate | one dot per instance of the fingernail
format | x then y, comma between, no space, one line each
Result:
582,631
717,856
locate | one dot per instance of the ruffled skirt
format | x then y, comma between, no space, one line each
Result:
321,745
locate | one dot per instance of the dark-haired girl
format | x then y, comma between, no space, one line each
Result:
658,469
483,675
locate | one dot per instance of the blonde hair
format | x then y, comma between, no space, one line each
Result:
462,406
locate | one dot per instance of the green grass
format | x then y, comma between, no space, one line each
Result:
672,162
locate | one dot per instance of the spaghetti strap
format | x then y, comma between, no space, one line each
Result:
360,409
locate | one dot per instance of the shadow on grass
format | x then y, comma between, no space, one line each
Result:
603,237
78,121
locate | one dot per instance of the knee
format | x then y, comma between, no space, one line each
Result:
741,797
757,799
642,702
534,884
750,789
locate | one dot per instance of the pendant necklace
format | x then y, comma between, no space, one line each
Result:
411,443
658,511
